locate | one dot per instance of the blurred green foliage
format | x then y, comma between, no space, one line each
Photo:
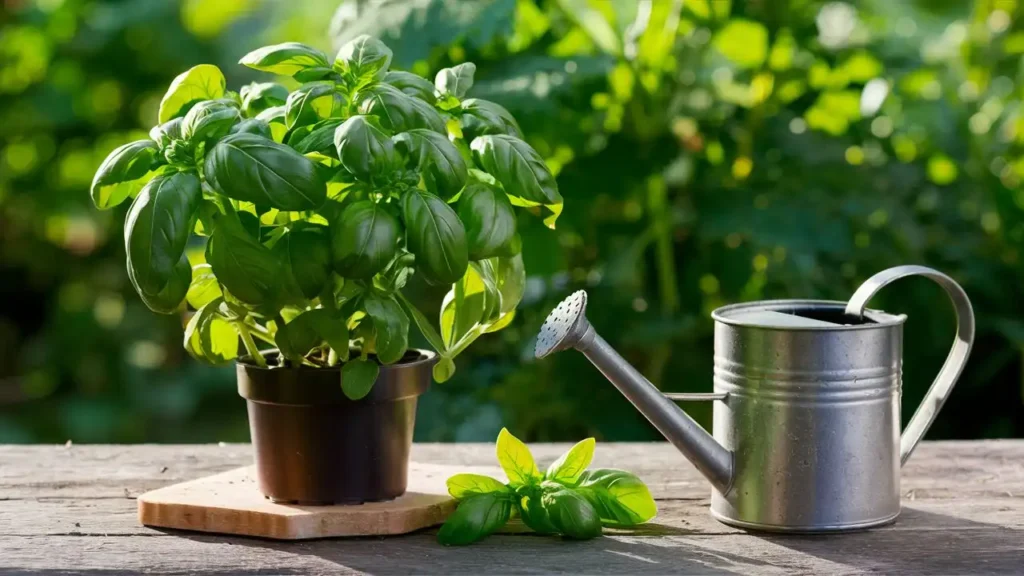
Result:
709,152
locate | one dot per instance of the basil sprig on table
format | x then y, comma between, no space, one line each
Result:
567,499
297,218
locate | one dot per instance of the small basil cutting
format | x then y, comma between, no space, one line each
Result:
567,500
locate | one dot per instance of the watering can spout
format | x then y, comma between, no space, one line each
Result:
567,327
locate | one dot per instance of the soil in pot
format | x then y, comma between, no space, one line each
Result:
315,446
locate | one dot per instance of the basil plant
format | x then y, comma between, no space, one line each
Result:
317,205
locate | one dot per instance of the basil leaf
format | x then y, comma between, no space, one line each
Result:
462,485
209,120
307,249
489,219
164,134
444,369
412,84
248,269
252,126
209,336
204,286
168,300
573,463
511,277
620,498
391,326
534,514
285,59
358,377
436,236
423,324
518,167
364,240
258,96
455,81
438,160
516,460
364,150
363,58
471,303
296,338
318,137
312,103
476,517
157,228
203,82
571,514
254,169
397,111
481,117
118,176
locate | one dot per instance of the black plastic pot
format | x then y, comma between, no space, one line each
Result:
315,446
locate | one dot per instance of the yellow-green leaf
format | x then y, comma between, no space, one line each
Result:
571,464
744,42
202,82
462,485
516,460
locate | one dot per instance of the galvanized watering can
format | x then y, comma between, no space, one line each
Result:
807,405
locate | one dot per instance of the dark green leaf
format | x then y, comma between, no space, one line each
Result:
620,498
424,325
489,219
365,151
363,58
252,126
314,74
202,82
318,137
312,103
309,257
258,96
518,167
358,377
157,228
254,169
412,84
438,160
462,485
391,326
169,299
297,338
204,287
285,59
571,514
397,111
364,240
436,236
533,512
482,117
248,269
476,518
164,133
208,120
455,81
118,177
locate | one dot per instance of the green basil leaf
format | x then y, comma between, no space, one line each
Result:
438,161
296,339
318,137
391,326
620,498
436,236
309,257
397,111
168,300
118,177
209,120
164,134
463,485
332,330
444,369
518,167
315,74
364,240
312,103
470,304
248,269
475,518
203,82
285,59
511,276
489,219
254,169
482,117
209,337
424,325
365,151
358,377
204,287
571,514
252,126
455,81
516,460
412,84
363,58
534,514
157,228
573,463
258,96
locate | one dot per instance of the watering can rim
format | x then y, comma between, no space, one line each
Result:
878,318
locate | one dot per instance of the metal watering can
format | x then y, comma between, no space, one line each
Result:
807,405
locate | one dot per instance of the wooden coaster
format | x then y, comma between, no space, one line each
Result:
230,503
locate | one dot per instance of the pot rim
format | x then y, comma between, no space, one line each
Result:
426,356
878,319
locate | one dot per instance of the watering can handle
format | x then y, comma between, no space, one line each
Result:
955,361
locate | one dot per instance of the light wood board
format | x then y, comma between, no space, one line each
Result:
231,503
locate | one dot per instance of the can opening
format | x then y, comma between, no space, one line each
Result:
795,315
832,316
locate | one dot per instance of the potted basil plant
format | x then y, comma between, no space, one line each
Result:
315,207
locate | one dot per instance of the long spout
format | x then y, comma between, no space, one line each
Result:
567,327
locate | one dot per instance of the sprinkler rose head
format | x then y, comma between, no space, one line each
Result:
564,327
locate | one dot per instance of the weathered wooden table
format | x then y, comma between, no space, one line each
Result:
72,509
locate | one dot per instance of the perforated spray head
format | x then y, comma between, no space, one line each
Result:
564,327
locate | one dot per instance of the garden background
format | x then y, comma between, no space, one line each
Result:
709,152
